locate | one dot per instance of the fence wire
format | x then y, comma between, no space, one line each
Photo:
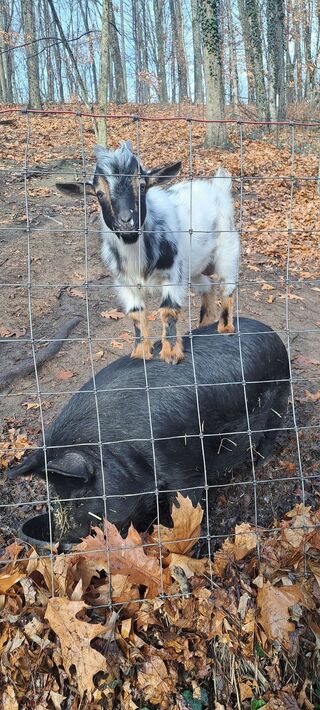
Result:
287,333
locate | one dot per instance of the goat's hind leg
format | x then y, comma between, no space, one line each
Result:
204,285
225,323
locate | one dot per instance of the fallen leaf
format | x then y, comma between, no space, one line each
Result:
126,557
186,527
8,579
98,355
267,287
116,344
113,313
304,362
31,405
12,332
271,298
246,691
75,637
245,540
274,615
65,374
291,297
77,292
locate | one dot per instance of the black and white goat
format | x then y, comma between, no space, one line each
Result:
151,234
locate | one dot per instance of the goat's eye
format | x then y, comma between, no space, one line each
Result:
142,187
100,194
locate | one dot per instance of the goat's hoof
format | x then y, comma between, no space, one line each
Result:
142,352
222,328
171,354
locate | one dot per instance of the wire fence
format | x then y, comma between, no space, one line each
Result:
150,436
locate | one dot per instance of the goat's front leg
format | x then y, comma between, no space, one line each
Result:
142,345
134,306
172,346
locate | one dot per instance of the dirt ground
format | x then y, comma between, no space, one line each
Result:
57,240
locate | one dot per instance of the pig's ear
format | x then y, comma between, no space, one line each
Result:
73,464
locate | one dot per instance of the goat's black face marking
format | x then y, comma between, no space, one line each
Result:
120,187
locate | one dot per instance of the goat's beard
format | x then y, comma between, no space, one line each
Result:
128,237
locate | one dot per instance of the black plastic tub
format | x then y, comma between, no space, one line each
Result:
36,532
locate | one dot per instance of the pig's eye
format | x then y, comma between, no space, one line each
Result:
100,194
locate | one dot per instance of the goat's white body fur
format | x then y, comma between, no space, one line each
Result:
197,213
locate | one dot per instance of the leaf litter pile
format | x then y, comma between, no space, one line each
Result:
141,622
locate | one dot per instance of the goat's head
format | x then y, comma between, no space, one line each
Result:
120,183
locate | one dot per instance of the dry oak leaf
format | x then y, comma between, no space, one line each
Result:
113,313
126,557
186,527
245,540
75,637
303,362
8,579
9,332
77,292
274,605
155,684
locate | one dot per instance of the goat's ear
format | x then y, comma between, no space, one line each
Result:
128,145
75,189
157,176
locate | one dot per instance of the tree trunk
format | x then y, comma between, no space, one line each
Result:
275,30
49,72
84,14
120,90
210,24
197,54
104,72
6,65
29,29
253,19
247,49
177,29
233,60
123,49
161,57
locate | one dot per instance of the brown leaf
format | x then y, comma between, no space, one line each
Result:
127,557
304,362
186,527
79,293
189,565
116,344
291,297
8,579
65,374
31,405
155,683
98,355
75,637
246,691
274,605
245,540
271,298
267,287
113,313
12,332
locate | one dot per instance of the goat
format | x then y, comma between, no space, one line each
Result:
149,235
132,452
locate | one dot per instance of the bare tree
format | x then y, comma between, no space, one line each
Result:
120,89
104,72
29,28
210,23
197,53
158,8
177,31
275,28
253,19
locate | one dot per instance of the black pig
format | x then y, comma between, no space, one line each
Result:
150,436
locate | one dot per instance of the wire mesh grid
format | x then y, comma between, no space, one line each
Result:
206,536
